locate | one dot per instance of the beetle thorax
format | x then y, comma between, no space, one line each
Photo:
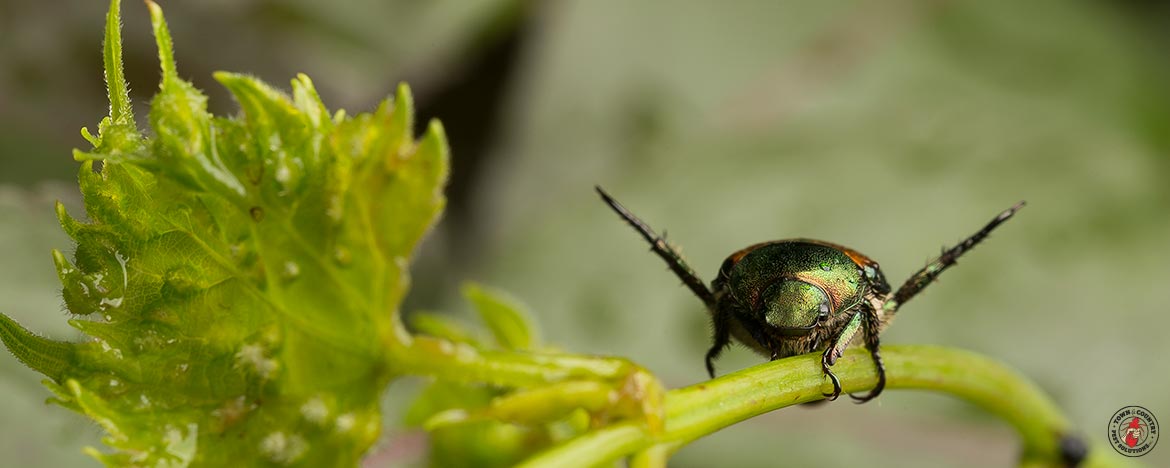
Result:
828,269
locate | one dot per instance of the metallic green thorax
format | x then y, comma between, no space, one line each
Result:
827,268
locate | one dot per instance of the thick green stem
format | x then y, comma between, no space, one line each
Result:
701,409
653,457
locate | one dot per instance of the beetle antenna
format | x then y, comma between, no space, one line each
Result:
668,253
930,272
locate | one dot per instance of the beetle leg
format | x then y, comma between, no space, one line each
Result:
928,273
721,338
836,348
658,244
833,377
873,344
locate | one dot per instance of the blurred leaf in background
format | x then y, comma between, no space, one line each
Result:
892,128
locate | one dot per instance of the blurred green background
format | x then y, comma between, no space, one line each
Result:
892,127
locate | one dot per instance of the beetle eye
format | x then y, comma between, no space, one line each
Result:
824,311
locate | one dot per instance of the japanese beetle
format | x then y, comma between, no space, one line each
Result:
794,296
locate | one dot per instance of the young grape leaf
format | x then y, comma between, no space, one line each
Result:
238,278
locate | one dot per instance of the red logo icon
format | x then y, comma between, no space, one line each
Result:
1133,431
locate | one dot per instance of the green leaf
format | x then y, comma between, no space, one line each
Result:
505,317
238,278
43,355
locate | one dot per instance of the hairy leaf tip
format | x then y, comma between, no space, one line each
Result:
162,36
51,358
403,117
119,92
307,100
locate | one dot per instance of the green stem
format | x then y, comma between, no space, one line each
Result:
704,408
653,457
631,390
460,362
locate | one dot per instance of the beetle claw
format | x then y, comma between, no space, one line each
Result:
862,399
877,390
881,372
836,383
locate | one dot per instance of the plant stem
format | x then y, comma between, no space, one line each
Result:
701,409
653,457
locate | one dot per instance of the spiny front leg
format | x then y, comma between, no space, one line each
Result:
927,274
658,244
836,348
722,337
873,344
